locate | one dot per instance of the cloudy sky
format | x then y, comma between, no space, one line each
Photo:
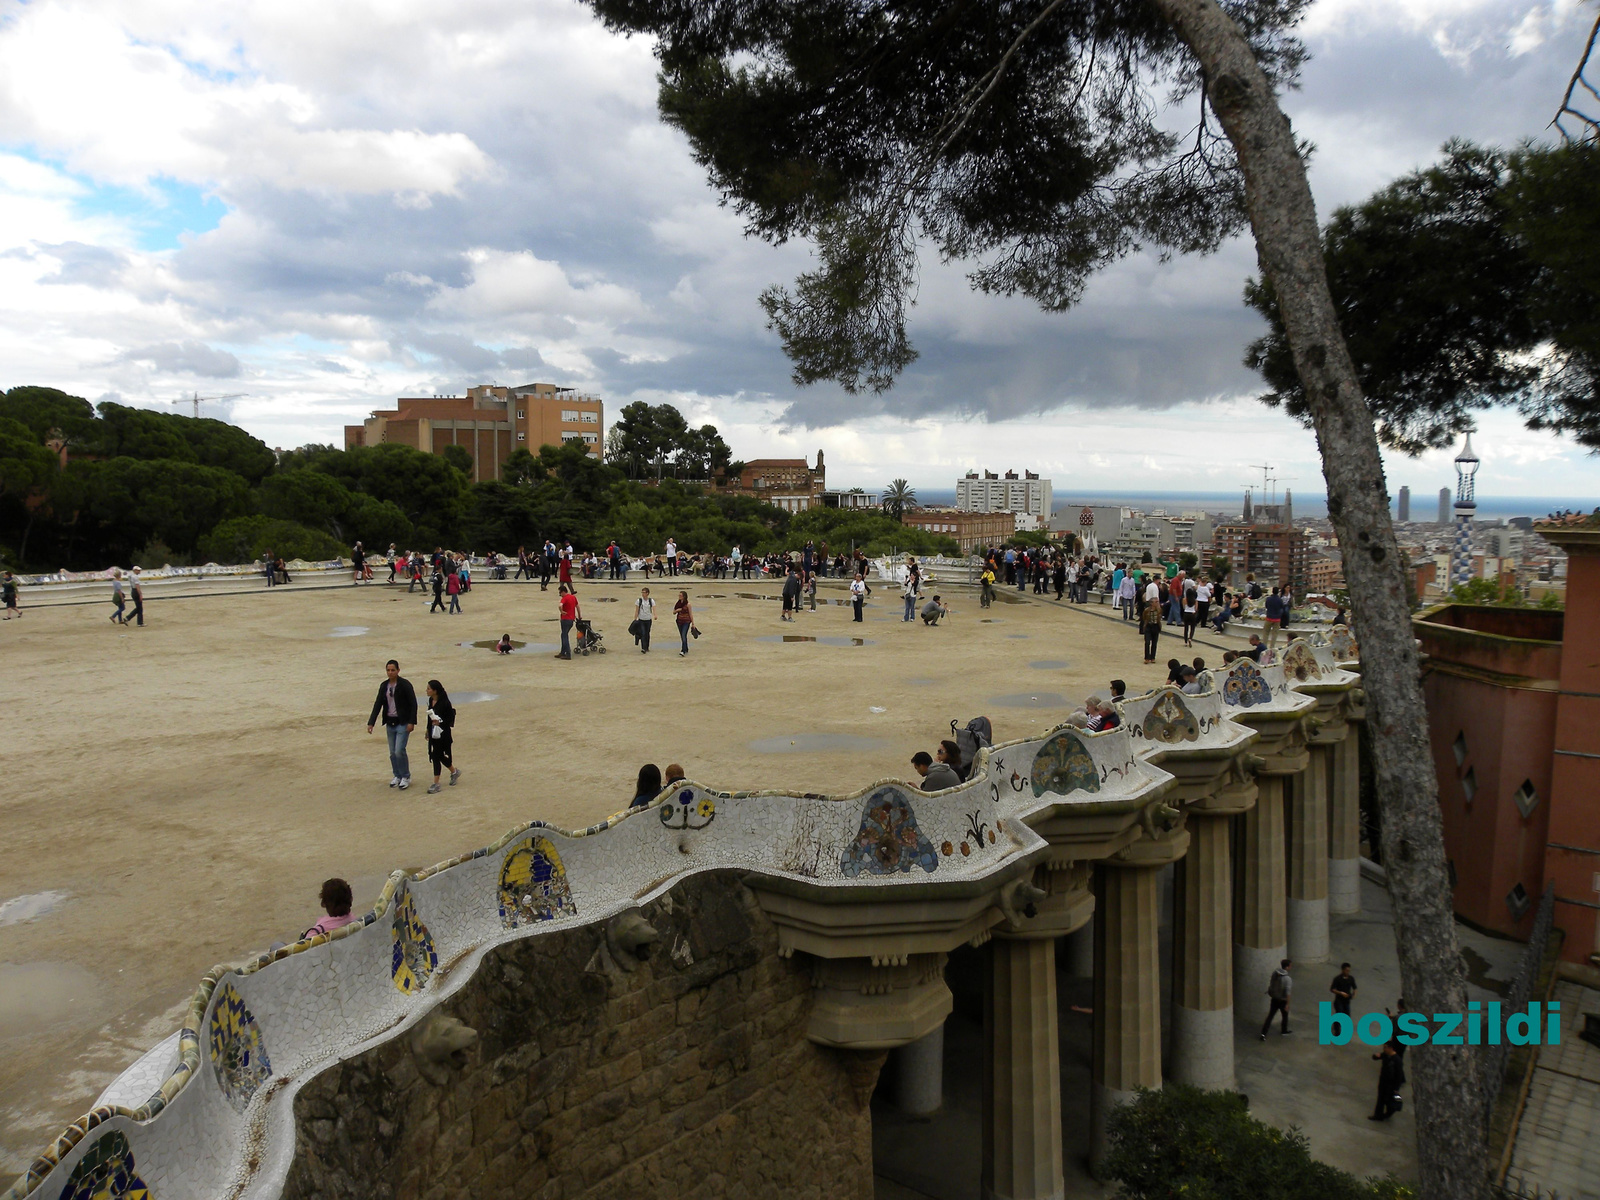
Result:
323,206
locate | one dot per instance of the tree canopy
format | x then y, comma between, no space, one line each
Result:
1021,134
1474,282
654,440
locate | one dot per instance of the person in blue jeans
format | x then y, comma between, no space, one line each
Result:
397,706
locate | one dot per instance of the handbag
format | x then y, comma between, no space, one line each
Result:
633,629
694,631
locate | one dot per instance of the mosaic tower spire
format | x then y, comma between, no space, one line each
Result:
1466,509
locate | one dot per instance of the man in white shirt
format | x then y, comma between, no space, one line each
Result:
858,593
1127,591
672,556
1202,598
908,592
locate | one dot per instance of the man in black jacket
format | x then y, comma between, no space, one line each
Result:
397,705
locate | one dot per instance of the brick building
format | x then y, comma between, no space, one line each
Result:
971,530
787,483
1277,555
489,422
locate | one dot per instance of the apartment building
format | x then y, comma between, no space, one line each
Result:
489,422
989,492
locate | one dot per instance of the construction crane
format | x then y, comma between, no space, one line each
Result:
197,400
1269,481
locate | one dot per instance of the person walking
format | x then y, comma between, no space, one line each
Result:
8,593
1391,1074
567,611
1191,614
858,594
547,564
118,598
452,588
1279,989
1127,595
441,726
986,598
397,706
644,615
1343,988
564,564
136,590
438,592
791,594
908,592
684,615
394,562
1150,626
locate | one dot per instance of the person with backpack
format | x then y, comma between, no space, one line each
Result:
1279,989
978,734
452,588
8,593
1277,609
438,592
644,615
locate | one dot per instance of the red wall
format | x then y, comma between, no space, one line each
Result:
1575,811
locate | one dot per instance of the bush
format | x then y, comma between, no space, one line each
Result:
246,539
155,553
1199,1145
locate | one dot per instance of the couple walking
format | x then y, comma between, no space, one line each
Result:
396,707
644,616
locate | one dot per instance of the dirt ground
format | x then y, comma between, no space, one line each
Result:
184,788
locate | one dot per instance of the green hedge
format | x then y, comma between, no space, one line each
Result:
246,539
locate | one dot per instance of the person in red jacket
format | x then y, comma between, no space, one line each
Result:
568,606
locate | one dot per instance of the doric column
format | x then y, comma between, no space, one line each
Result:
1022,1066
1127,991
1344,826
1260,923
1079,949
919,1074
1308,859
1202,957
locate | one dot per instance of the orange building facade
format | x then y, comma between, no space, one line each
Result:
489,422
1514,718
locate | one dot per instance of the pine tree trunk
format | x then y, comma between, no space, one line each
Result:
1450,1121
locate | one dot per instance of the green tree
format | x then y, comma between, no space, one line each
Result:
1221,567
26,471
1448,281
425,489
1188,561
1181,1141
1022,136
898,497
246,539
50,412
134,501
459,458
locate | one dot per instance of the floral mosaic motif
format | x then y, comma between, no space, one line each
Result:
1344,645
414,960
1300,661
1064,765
688,811
238,1054
1244,687
888,840
1170,720
107,1172
533,884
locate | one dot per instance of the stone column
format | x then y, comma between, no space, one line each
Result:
1202,958
1308,859
1344,826
919,1074
1260,922
1022,1068
1127,991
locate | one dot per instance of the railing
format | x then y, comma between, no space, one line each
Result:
1527,974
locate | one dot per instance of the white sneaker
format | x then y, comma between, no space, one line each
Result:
403,784
394,781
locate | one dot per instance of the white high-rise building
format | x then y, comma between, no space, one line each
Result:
989,492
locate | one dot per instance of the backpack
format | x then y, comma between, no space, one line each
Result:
1275,986
978,734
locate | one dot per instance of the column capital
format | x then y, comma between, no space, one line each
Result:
859,1004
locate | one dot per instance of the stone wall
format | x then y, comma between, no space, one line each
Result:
688,1075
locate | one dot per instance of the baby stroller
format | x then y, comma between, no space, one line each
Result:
589,638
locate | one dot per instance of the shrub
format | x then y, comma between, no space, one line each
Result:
244,539
1183,1142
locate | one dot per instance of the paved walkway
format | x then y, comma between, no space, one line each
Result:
1558,1138
1327,1091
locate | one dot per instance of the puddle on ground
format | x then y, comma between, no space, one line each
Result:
1017,637
1036,700
991,620
472,697
35,996
816,743
348,631
25,908
516,646
921,682
1050,664
821,641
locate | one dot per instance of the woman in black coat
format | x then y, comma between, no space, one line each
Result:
441,727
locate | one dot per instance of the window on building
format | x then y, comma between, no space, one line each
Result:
1459,746
1527,798
569,416
1517,901
589,418
591,438
521,415
1450,866
522,437
1469,784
